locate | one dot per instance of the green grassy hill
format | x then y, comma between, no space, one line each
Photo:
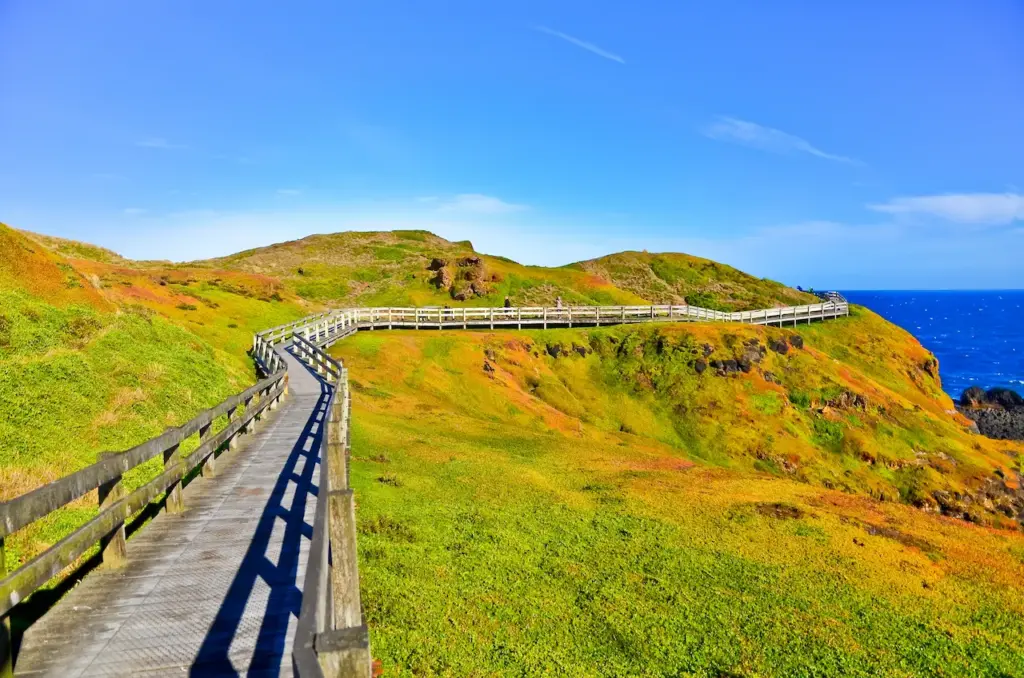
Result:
584,503
691,499
671,278
403,268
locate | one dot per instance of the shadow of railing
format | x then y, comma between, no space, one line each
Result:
285,599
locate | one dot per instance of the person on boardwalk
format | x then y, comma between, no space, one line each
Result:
558,302
508,303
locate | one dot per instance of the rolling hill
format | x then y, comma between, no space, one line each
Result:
701,499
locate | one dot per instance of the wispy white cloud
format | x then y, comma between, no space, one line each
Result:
977,209
134,211
589,46
477,203
291,192
764,138
158,142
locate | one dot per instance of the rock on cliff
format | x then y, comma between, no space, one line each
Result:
999,412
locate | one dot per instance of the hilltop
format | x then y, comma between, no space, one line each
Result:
407,268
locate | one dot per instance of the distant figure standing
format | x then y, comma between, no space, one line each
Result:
558,302
508,303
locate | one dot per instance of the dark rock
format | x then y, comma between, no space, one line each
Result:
997,397
998,413
1005,398
459,295
708,349
753,353
771,378
745,364
848,400
584,351
700,365
554,350
974,396
488,368
779,346
796,341
469,261
436,264
997,423
442,279
931,367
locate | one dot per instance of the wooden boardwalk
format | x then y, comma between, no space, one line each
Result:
215,590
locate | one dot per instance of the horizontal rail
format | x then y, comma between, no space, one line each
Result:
40,502
27,578
116,504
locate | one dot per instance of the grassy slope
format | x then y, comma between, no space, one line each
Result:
510,524
682,278
390,269
98,356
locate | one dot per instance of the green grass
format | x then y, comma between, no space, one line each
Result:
75,382
499,536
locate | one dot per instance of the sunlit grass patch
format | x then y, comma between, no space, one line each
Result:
522,528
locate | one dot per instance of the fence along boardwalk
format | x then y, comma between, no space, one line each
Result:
216,589
252,570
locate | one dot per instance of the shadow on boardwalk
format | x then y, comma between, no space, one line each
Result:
283,577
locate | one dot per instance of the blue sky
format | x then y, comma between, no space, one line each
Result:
841,144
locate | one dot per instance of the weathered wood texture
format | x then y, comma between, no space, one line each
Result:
39,503
331,609
214,590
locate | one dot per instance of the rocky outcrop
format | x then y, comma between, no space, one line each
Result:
465,278
998,413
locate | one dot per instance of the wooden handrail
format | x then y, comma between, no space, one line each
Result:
331,637
106,475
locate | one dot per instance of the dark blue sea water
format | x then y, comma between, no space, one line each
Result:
978,337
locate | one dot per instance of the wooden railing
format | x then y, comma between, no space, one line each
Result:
342,322
331,638
116,504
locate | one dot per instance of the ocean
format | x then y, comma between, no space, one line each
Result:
978,336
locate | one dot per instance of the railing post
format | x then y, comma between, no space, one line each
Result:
113,547
175,502
6,641
210,465
344,568
233,440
